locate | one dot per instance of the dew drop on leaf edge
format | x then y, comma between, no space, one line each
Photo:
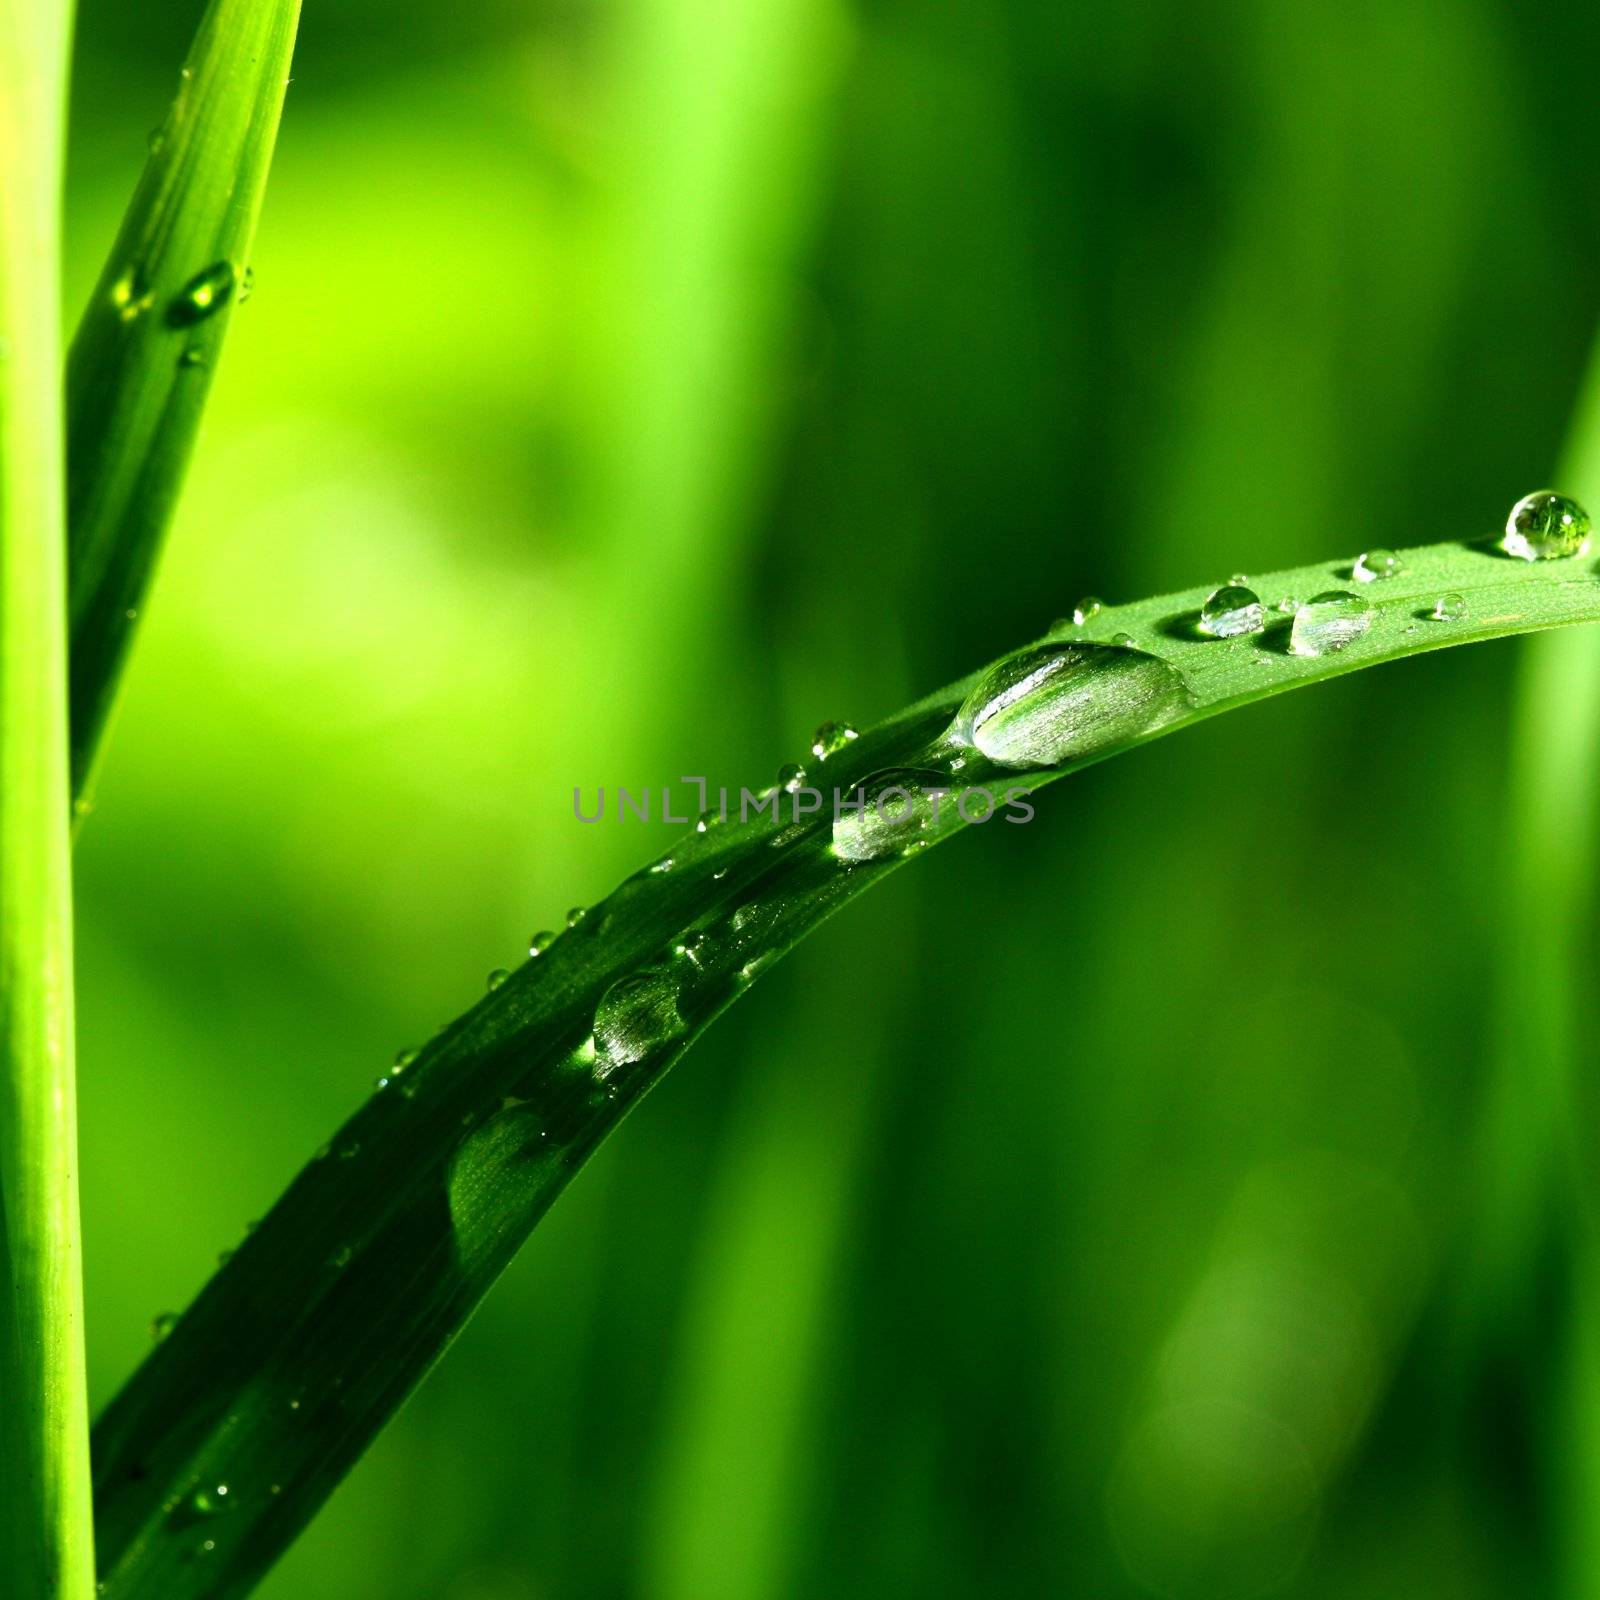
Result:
205,294
1547,526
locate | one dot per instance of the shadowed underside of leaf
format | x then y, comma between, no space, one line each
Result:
143,358
334,1308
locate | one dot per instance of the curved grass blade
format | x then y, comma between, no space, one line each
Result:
142,361
46,1534
333,1309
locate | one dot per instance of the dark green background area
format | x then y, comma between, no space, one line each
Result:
630,387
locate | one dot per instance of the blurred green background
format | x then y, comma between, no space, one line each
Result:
629,386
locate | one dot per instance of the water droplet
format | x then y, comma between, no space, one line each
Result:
130,295
698,947
1231,611
1546,526
161,1326
247,285
576,915
1241,579
665,864
403,1059
205,1547
636,1015
155,139
1125,640
348,1152
901,810
341,1258
540,942
1288,605
830,739
497,977
792,778
210,1502
1087,609
205,294
1328,623
1060,703
194,356
1449,608
1373,565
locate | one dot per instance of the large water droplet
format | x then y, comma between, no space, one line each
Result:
205,294
899,810
1065,702
1373,565
1230,611
1087,609
1546,526
792,778
1328,623
636,1016
1449,608
830,739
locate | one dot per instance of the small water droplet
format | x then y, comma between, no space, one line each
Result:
1372,566
1241,579
1546,526
1330,622
1087,609
194,356
1125,640
205,1547
341,1258
155,139
1449,608
205,294
131,295
1288,605
791,778
665,864
161,1326
497,977
1231,611
636,1015
403,1059
698,947
576,915
1065,702
830,739
210,1502
540,942
247,285
901,809
348,1152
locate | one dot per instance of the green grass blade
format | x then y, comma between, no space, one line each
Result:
142,361
1537,1208
333,1309
46,1535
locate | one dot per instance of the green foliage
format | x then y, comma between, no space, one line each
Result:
46,1540
146,350
336,1305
